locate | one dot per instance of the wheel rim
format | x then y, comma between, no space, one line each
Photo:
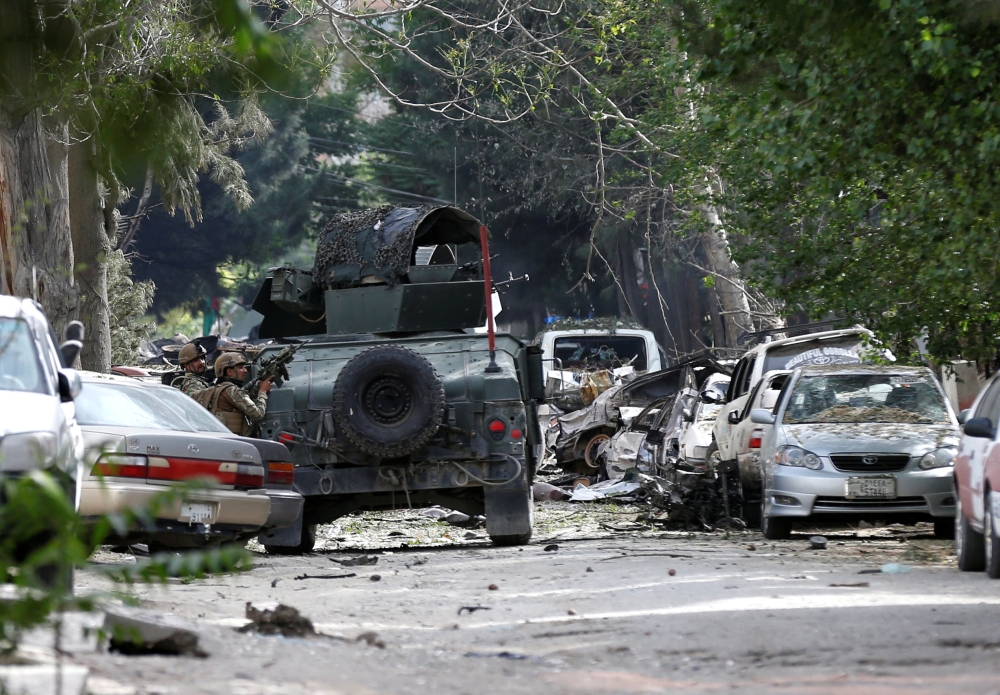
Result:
590,453
388,400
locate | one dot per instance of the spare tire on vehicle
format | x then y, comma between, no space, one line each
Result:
388,401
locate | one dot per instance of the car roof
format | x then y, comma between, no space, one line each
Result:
809,337
19,307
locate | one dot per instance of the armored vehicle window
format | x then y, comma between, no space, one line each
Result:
20,369
601,352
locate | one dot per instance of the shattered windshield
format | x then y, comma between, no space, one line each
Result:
909,398
601,352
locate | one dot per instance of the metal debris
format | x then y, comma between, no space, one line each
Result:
283,620
360,561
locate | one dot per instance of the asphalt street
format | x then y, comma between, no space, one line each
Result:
671,612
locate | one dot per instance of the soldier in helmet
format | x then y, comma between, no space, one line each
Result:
191,359
230,403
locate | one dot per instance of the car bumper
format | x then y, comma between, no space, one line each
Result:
237,509
286,505
800,492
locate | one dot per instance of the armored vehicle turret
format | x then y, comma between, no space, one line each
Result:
398,399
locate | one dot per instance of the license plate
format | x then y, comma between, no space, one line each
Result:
871,487
197,512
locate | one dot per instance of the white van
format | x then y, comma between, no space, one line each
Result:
568,354
826,347
38,428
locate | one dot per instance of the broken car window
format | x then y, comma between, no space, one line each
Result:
601,352
907,398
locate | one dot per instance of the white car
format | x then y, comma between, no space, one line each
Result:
38,427
827,347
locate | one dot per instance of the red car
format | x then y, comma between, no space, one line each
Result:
977,482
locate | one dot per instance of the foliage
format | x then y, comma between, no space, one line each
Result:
860,142
42,539
128,302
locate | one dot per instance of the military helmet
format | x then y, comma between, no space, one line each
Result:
189,353
226,360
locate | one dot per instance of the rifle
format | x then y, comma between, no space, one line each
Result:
273,367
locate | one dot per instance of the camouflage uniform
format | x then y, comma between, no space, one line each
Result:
236,409
189,382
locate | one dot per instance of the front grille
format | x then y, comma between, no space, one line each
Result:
881,463
842,503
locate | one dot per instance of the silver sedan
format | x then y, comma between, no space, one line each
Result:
858,441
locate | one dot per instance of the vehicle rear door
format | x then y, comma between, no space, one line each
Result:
973,452
736,400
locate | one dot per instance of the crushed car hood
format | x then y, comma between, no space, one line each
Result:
827,438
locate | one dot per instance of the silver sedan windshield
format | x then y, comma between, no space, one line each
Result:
125,405
903,398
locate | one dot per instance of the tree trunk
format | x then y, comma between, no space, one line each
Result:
728,284
92,245
36,252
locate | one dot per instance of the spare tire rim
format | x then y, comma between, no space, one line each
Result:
388,400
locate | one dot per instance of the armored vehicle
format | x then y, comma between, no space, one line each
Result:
399,399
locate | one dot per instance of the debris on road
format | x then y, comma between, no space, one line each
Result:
551,548
472,609
493,587
541,492
375,578
360,561
895,568
371,639
855,585
672,572
283,620
135,633
817,542
324,576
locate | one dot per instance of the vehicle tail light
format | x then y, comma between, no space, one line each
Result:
280,473
497,429
286,438
120,466
756,438
249,476
176,469
515,434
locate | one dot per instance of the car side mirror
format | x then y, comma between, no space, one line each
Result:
980,427
69,384
733,418
964,415
760,416
69,351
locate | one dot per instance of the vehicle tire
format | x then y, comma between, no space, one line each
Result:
944,527
388,401
509,514
306,544
774,528
969,545
752,512
991,541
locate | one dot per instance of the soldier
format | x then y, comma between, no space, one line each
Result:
230,403
191,359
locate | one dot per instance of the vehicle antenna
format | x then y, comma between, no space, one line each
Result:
492,367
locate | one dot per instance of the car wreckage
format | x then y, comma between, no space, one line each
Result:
656,432
396,400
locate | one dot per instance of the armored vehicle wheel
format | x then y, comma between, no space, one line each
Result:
388,401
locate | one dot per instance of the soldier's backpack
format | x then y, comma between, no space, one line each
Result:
205,397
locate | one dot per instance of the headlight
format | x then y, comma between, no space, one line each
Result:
28,450
938,459
794,456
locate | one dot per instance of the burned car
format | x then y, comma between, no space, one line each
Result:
395,400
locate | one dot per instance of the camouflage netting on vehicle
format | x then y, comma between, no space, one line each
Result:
377,245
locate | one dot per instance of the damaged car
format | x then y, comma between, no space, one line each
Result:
582,433
858,441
